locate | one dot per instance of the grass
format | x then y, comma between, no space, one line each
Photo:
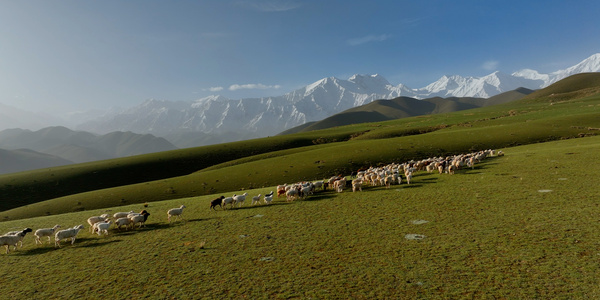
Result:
492,232
305,156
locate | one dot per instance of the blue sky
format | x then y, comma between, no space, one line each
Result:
75,55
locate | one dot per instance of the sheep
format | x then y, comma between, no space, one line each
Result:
281,190
256,199
121,214
408,177
451,169
357,184
139,219
239,199
215,202
268,198
14,239
44,232
124,221
291,194
96,219
227,200
103,227
70,233
175,212
388,181
16,233
339,185
319,184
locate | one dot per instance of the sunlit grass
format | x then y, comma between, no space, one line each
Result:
521,226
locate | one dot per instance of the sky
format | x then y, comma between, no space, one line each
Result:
68,55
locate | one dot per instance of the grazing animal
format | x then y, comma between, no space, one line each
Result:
239,199
215,202
339,185
291,194
139,219
44,232
122,214
256,199
14,239
95,219
102,227
175,212
280,190
227,200
70,233
268,198
124,221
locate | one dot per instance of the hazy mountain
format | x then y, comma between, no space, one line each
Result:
218,116
403,107
24,159
80,146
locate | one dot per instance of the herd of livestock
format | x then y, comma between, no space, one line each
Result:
374,176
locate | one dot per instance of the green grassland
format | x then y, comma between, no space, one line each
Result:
520,226
557,112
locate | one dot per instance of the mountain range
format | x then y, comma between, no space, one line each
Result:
217,117
22,149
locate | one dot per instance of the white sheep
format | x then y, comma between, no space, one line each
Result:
95,219
121,214
227,200
139,219
268,199
339,185
239,199
102,227
175,212
13,239
291,194
256,199
44,232
124,221
70,233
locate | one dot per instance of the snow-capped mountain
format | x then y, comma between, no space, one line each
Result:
316,101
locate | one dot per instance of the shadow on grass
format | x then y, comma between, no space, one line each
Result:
80,242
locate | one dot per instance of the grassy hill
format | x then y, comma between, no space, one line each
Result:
404,107
511,228
303,156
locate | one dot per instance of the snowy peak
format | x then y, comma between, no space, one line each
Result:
316,101
531,74
370,82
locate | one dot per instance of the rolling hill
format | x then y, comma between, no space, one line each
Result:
312,155
404,107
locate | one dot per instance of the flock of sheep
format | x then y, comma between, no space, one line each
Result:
373,176
98,224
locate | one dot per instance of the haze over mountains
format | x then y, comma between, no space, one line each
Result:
258,117
217,119
22,149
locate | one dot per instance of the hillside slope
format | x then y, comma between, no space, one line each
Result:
298,157
404,107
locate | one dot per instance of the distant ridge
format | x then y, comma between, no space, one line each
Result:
24,159
53,146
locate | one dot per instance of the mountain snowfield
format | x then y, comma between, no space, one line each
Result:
270,115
